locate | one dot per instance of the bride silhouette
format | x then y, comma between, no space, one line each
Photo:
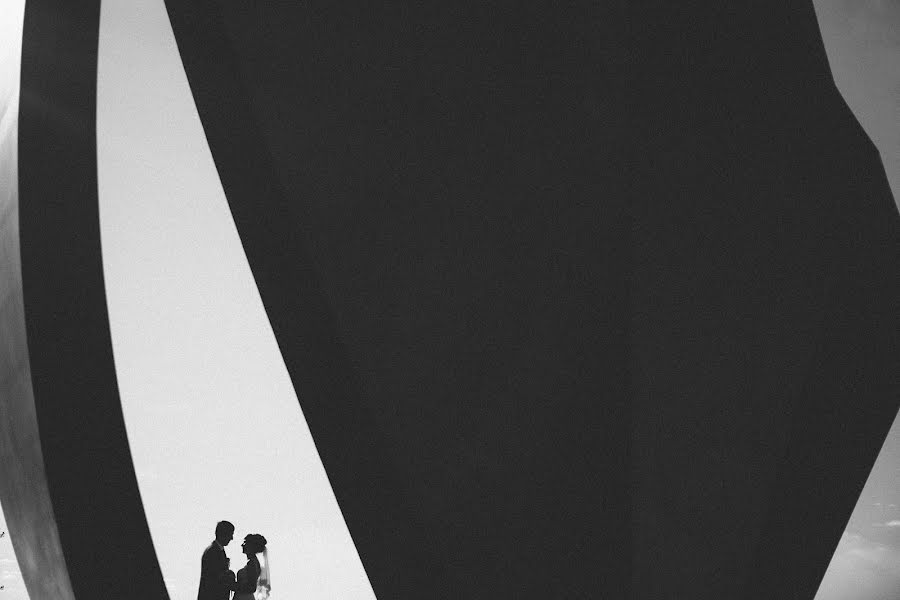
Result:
251,583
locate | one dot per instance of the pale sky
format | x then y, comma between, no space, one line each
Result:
213,421
862,39
866,563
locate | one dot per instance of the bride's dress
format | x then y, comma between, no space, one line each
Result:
246,582
250,586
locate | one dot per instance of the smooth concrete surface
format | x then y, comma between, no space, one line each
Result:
23,484
765,287
429,203
584,301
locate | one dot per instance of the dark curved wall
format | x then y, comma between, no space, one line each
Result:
765,311
588,301
23,485
103,537
443,259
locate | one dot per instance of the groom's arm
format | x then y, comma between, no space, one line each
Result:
207,564
211,565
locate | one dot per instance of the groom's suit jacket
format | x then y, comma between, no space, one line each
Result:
214,584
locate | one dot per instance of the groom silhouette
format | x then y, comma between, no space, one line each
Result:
216,581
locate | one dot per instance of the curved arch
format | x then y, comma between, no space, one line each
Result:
87,463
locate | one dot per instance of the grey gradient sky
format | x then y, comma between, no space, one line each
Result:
866,563
862,39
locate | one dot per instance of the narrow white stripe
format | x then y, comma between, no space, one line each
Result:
213,421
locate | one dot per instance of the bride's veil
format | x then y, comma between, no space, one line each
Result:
264,583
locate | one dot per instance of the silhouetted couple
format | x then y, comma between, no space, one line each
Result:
217,581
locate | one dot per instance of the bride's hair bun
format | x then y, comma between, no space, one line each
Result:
256,541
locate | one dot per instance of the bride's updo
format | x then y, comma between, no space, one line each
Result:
256,542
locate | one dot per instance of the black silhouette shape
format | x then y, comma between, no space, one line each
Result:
216,581
245,584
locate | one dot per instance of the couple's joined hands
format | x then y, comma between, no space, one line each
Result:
229,579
